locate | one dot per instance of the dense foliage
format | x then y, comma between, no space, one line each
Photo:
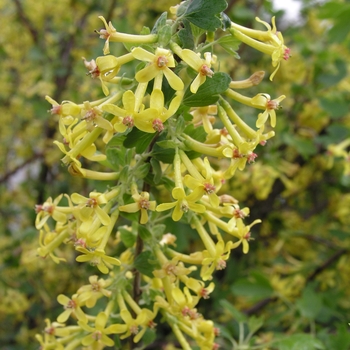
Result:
293,286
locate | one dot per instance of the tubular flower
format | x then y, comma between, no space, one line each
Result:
71,306
142,203
159,64
154,122
98,334
93,117
132,325
111,34
201,66
264,100
173,269
95,290
50,209
218,261
129,116
97,257
183,203
244,235
240,156
206,185
270,42
91,205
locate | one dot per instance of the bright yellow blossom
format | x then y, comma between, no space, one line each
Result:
270,42
201,66
98,334
97,257
142,203
264,100
71,306
130,116
183,203
159,64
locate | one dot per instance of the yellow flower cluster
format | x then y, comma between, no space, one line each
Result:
165,145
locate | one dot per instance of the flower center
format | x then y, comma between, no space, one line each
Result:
97,335
157,125
209,188
71,305
91,203
162,62
128,121
251,157
206,71
221,265
134,329
144,204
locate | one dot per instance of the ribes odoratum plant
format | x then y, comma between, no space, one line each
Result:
168,138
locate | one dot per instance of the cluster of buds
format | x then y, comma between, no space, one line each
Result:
172,140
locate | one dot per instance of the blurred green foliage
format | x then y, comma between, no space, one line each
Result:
292,290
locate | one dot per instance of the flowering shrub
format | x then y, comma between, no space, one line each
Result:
169,139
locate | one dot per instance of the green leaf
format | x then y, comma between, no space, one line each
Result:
167,144
160,23
208,93
230,44
158,230
257,287
226,21
156,170
185,35
205,13
237,315
197,133
336,106
163,155
300,342
310,304
143,265
142,171
144,233
164,35
180,125
139,139
127,237
255,323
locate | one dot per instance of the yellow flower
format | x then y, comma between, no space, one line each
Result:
95,290
50,209
154,122
240,156
185,303
98,334
142,203
132,325
270,42
183,203
111,34
201,66
264,100
129,116
93,117
206,184
71,306
173,269
88,206
106,33
217,261
244,234
159,65
198,286
97,257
